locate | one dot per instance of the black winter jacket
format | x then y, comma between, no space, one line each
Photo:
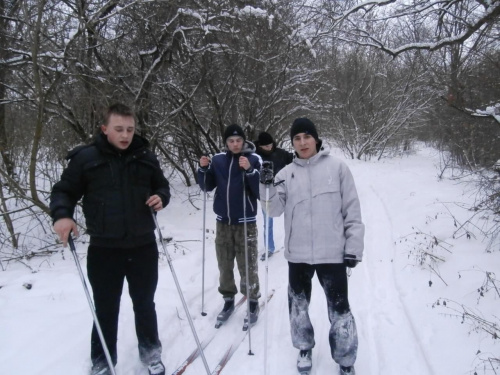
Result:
115,186
278,156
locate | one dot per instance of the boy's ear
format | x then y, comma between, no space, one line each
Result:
104,128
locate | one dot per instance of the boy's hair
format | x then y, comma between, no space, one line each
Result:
118,109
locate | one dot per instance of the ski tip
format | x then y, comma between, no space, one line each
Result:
245,327
218,325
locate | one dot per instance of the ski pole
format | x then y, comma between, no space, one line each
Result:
190,320
203,313
266,249
91,305
247,279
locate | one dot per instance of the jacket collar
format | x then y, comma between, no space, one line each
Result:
324,150
138,143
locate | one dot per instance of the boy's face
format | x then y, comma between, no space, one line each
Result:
305,145
268,147
119,130
235,144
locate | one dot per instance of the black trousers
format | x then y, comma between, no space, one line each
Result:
107,268
342,335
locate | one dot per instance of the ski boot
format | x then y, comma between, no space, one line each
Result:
156,368
263,256
226,312
254,315
347,370
304,362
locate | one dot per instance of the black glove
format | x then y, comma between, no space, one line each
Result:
266,173
350,261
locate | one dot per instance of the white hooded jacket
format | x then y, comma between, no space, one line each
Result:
322,210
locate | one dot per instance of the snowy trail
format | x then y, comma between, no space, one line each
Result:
377,303
375,299
46,329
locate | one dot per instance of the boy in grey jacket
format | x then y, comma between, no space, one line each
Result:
323,234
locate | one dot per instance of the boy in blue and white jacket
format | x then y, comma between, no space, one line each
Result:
234,174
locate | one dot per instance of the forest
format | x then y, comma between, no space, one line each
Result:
376,76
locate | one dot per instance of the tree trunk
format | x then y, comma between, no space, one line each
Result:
37,135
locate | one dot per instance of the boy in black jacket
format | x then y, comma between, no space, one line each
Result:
269,151
120,181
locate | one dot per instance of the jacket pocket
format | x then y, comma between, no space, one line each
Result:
326,187
141,173
94,210
98,174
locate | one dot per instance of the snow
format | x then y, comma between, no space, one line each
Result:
190,12
270,19
251,11
403,325
493,111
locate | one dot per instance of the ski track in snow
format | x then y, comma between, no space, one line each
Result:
379,290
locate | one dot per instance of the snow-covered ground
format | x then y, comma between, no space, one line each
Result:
408,316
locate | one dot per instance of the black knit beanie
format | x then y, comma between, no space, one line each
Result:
303,125
265,139
233,129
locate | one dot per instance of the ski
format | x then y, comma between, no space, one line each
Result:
196,353
236,342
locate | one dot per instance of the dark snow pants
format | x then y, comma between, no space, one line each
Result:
333,278
107,268
230,245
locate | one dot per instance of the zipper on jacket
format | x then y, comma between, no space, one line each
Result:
311,215
227,190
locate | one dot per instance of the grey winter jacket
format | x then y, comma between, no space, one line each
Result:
322,210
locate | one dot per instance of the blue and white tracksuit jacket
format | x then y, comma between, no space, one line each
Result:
225,174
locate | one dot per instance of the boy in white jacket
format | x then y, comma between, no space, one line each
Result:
323,234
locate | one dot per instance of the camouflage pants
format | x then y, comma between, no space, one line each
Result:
230,244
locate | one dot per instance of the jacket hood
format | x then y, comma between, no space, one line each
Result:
248,148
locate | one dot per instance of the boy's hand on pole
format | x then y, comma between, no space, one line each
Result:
204,161
155,202
244,163
350,260
63,227
266,173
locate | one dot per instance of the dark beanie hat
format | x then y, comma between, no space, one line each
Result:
265,139
303,125
233,129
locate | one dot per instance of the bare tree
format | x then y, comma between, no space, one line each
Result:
375,103
453,22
